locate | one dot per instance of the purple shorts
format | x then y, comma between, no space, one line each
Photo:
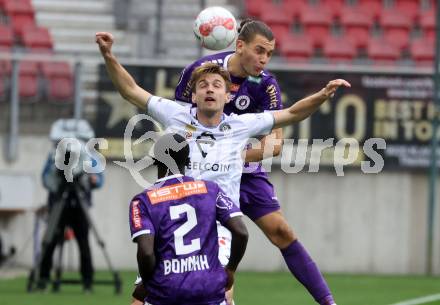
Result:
257,196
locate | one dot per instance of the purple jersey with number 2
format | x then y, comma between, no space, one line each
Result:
181,213
248,95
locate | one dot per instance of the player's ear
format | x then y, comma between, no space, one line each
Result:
239,44
193,97
228,97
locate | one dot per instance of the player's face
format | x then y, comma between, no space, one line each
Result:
210,93
255,54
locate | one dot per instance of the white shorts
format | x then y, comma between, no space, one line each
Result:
224,244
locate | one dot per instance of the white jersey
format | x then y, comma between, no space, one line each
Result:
215,152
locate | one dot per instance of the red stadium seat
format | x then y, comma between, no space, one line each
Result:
255,7
334,7
316,21
59,81
422,52
338,49
410,8
396,27
357,25
21,14
296,48
293,8
28,78
37,38
427,22
382,52
20,24
371,7
6,38
278,21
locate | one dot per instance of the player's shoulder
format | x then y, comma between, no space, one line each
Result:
265,78
217,58
140,199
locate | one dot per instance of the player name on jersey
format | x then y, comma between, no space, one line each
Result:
191,263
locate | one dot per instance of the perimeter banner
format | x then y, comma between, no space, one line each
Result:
395,108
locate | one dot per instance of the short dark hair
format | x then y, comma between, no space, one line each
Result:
249,28
208,68
173,145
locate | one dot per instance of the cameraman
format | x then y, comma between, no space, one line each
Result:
72,215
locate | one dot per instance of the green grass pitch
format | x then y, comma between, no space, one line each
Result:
251,289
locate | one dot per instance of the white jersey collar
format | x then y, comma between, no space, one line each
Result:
193,112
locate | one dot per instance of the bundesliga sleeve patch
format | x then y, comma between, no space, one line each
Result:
136,215
177,191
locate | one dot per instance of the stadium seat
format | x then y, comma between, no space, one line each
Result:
6,38
293,8
422,52
396,27
255,7
59,81
334,7
21,14
296,48
427,22
339,49
371,7
316,21
357,25
382,52
278,21
410,8
37,38
28,78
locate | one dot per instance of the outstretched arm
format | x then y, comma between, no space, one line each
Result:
307,106
122,80
271,146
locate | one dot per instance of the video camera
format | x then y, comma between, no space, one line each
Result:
68,157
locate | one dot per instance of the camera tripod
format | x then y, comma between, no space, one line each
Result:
51,234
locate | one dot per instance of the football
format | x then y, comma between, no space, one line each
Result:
215,27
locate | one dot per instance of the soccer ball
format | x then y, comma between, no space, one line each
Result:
215,27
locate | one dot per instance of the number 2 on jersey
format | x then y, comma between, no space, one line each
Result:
175,212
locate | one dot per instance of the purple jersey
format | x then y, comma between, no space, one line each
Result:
248,95
181,213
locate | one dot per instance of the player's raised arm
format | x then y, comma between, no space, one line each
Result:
307,106
122,80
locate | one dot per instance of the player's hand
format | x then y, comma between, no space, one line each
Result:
333,85
230,278
105,41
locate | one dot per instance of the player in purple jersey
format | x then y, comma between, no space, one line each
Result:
174,226
210,91
255,90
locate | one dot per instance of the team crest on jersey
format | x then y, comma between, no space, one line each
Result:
224,127
242,102
206,139
223,202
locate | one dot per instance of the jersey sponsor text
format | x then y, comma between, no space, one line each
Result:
177,191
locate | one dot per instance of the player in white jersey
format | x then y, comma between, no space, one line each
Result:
216,140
